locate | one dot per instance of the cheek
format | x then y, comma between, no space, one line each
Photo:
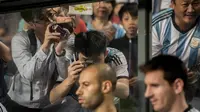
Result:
125,24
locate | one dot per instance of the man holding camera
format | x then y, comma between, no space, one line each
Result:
91,47
38,64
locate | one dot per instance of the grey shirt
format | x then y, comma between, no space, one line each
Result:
38,69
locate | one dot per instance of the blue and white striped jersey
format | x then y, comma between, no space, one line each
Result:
166,39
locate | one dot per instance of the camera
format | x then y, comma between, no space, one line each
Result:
88,62
65,29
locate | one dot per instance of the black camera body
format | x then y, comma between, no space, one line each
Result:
65,29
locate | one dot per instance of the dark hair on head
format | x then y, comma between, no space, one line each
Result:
91,42
33,15
171,66
131,8
113,3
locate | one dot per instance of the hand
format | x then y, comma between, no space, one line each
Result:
49,39
192,78
73,71
132,81
109,31
60,46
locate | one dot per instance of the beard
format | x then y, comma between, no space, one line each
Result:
98,102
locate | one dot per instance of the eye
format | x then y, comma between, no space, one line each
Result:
154,85
126,18
185,4
85,84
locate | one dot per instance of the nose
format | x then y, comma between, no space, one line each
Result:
190,8
79,91
148,93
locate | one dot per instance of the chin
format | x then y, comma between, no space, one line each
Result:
158,109
190,20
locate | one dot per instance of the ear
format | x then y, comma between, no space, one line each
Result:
32,25
106,87
106,53
172,4
178,86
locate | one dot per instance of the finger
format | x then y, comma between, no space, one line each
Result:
190,74
77,67
54,38
63,19
132,79
75,72
74,63
77,63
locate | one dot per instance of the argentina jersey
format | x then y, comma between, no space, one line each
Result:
166,39
117,61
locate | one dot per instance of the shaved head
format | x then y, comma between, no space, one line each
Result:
104,72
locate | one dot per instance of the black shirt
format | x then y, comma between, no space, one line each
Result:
3,90
129,47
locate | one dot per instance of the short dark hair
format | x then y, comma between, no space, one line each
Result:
32,15
171,66
131,8
90,43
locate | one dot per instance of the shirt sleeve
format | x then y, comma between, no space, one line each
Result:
27,65
156,45
120,66
120,32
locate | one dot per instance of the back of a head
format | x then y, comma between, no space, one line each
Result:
33,15
171,66
91,42
131,8
105,72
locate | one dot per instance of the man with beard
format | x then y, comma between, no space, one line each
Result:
176,31
165,84
97,83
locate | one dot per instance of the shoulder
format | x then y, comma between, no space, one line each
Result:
22,35
20,39
115,56
165,14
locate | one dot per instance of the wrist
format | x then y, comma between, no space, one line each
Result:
69,82
45,48
60,53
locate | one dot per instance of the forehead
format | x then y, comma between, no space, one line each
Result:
98,3
88,75
127,14
154,77
187,0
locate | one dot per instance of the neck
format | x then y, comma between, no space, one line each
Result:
129,36
99,23
39,36
179,105
106,106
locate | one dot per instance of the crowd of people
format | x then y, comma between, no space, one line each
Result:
61,62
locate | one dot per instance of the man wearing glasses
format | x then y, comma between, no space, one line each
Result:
38,66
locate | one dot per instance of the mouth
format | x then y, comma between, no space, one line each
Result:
190,16
80,100
132,29
153,102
